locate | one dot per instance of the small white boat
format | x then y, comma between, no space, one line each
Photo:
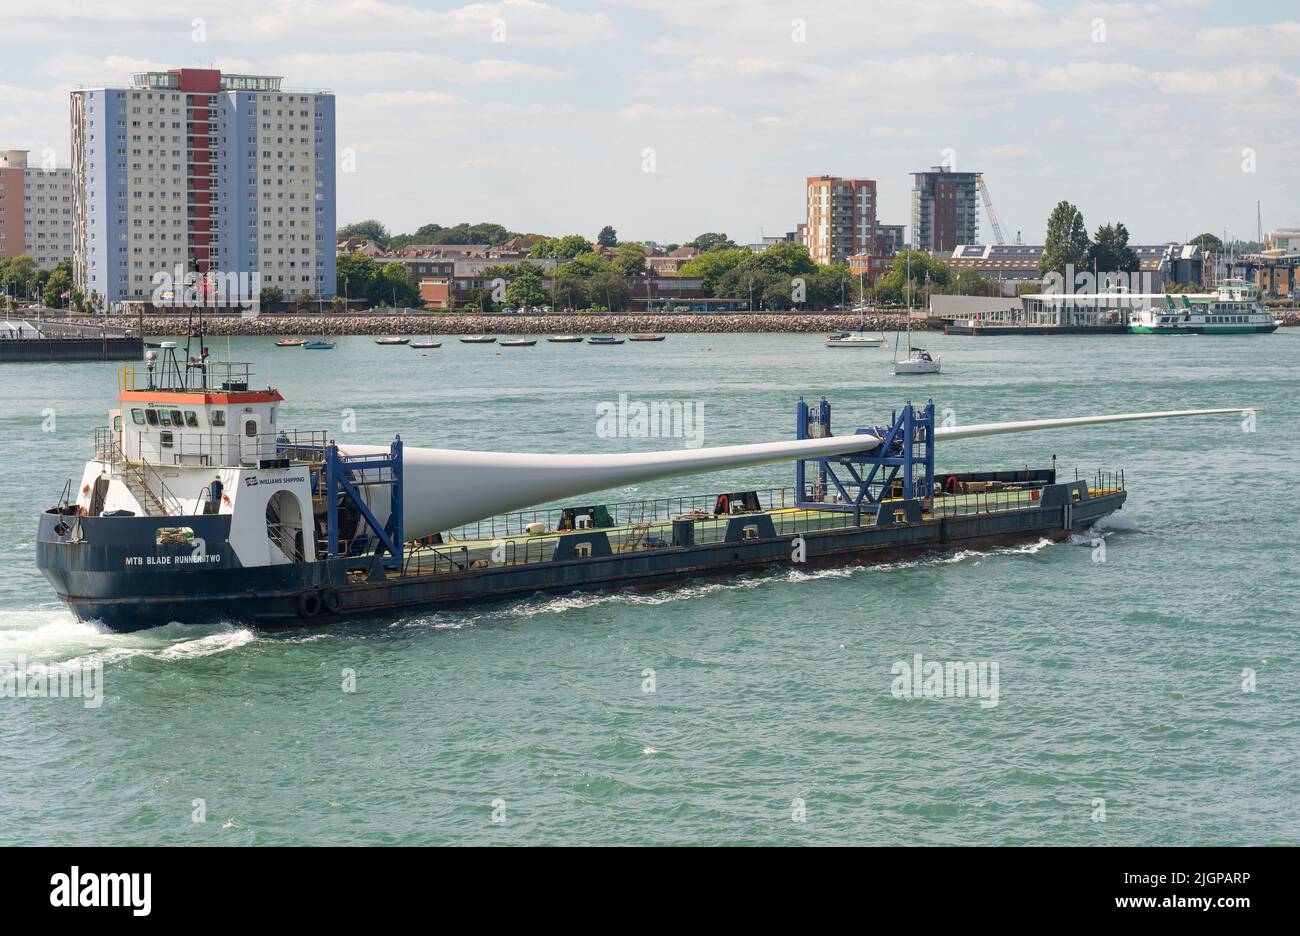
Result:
426,344
518,342
919,361
604,340
392,341
478,339
565,339
855,339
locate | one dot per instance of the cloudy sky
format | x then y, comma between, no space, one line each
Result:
666,118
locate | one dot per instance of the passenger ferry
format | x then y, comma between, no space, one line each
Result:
1233,309
199,504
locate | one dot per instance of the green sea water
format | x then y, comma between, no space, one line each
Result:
1148,689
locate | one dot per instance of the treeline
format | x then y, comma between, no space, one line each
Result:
22,278
358,276
484,233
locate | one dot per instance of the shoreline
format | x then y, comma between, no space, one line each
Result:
449,323
442,323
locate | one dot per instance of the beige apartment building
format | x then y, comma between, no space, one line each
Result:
36,211
841,218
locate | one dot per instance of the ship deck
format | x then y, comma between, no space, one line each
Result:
503,542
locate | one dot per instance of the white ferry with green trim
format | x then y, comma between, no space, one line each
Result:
1233,309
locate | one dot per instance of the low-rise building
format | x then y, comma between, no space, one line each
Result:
1014,264
1283,240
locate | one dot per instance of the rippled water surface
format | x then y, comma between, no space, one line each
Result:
1118,680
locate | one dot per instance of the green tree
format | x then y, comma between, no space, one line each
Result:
355,275
609,290
585,264
970,283
271,296
608,237
926,271
570,290
1207,242
1067,240
464,233
20,276
630,259
508,271
777,296
561,248
479,300
712,266
831,285
369,229
1110,252
786,258
525,291
393,286
712,241
58,289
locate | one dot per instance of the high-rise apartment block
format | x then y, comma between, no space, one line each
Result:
35,210
945,209
205,172
841,218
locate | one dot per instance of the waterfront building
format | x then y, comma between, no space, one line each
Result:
890,239
1014,264
35,210
945,209
1283,240
841,218
206,172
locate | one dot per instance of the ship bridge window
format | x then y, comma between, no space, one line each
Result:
164,417
177,419
191,419
165,439
137,417
218,417
151,416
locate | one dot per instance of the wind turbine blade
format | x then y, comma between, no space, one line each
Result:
950,433
445,488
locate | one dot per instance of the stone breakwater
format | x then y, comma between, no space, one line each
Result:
452,324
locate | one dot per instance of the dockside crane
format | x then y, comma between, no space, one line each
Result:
988,207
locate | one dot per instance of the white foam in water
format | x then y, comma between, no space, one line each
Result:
57,638
1117,521
577,601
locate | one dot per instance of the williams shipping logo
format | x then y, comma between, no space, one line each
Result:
85,889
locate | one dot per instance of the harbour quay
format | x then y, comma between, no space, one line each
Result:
40,340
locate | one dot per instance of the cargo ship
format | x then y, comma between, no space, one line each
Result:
199,505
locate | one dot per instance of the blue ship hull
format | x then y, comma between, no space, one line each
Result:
113,570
